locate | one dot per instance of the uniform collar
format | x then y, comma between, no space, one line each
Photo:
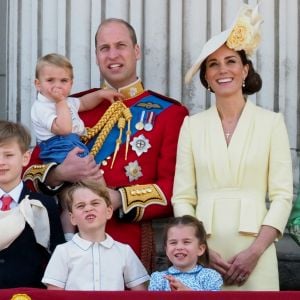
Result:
129,91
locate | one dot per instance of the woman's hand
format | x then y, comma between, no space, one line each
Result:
218,263
242,265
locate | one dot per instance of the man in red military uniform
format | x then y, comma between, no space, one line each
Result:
133,142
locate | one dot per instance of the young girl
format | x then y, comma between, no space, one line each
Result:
186,248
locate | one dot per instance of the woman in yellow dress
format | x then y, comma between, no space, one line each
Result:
232,157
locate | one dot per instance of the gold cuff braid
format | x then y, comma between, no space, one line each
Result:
37,173
141,196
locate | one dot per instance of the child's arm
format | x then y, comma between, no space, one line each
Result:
140,287
91,100
53,287
62,124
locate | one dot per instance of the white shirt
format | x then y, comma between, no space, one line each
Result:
43,113
83,265
14,193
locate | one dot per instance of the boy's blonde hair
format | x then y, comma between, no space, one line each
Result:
56,60
10,130
96,187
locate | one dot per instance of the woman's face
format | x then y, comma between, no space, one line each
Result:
225,72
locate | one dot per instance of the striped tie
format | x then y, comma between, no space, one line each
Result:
6,201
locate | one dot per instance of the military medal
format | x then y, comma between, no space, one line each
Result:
150,120
140,125
133,171
140,144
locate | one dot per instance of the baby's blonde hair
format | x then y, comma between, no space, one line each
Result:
54,59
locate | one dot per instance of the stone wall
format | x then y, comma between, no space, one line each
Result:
288,252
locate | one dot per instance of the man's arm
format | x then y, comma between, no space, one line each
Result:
73,169
47,178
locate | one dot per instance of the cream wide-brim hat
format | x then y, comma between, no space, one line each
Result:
210,47
247,14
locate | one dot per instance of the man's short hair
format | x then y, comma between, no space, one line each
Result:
121,21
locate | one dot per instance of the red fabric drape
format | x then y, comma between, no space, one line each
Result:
40,294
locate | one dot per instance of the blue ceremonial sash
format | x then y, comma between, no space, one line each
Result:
109,145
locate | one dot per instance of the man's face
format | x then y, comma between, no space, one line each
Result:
116,54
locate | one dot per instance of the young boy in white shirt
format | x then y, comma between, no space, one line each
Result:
92,260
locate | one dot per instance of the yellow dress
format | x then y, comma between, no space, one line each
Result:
226,186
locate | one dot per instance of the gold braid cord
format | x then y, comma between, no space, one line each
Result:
121,126
105,125
128,117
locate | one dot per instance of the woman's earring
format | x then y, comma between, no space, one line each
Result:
243,84
208,87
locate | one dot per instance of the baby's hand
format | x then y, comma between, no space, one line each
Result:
110,95
57,94
176,285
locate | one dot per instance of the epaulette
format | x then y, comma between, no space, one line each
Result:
164,97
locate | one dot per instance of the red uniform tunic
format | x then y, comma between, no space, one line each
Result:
145,178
